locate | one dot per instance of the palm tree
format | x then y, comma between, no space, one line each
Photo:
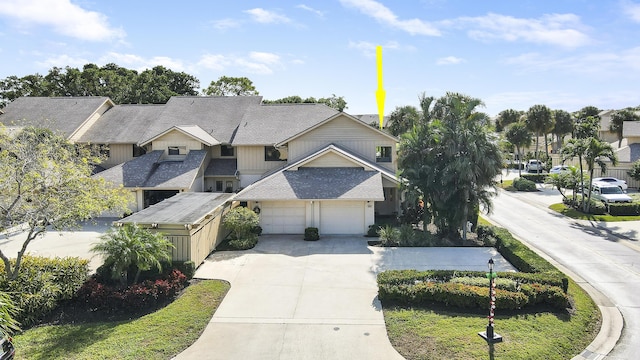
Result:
596,152
402,119
563,126
617,122
132,245
8,310
506,117
539,121
576,148
518,134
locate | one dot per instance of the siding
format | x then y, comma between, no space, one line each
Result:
251,160
331,160
346,133
175,138
118,153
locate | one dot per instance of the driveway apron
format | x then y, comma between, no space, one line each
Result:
291,299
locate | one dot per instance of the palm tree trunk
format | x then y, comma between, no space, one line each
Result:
519,162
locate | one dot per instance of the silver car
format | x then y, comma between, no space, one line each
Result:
608,193
612,181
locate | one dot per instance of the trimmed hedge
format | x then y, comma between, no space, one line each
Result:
311,234
624,209
42,283
595,207
536,178
524,185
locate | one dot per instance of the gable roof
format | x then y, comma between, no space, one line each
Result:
218,116
193,131
335,116
124,124
272,123
64,114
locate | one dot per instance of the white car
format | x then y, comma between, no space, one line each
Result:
558,169
612,181
609,193
534,165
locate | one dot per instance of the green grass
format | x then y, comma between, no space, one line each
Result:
159,335
446,334
575,214
507,185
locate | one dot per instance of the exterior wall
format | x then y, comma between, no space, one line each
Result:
216,154
331,160
251,160
118,153
175,138
346,133
210,183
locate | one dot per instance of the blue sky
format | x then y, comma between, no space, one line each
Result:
565,54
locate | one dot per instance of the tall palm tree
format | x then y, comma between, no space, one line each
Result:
132,245
596,152
563,126
576,148
402,119
518,134
539,121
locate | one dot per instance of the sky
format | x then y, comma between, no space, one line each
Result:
565,54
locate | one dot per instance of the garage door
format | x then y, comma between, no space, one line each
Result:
282,217
342,217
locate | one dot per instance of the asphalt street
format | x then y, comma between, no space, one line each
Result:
608,263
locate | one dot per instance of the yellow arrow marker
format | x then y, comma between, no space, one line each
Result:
380,93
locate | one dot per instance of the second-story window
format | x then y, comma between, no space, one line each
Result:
383,154
177,150
226,150
271,153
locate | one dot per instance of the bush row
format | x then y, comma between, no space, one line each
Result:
522,184
42,283
595,207
624,209
148,294
536,178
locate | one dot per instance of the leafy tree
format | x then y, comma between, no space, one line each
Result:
132,245
587,111
563,125
576,148
449,159
336,102
240,221
540,121
617,121
635,171
46,181
506,117
570,179
231,86
518,134
13,87
333,101
402,119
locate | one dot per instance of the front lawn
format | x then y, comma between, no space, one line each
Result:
575,214
160,335
440,333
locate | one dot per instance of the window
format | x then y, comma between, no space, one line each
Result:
219,185
383,153
229,188
177,150
138,151
271,154
226,150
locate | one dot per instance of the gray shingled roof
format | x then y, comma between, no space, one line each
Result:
64,114
122,124
218,116
182,208
317,183
221,167
372,119
148,172
270,124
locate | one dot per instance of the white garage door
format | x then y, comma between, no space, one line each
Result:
342,217
282,217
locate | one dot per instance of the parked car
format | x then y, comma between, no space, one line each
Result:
559,169
608,193
613,181
534,165
8,351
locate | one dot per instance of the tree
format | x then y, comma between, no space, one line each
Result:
402,119
540,121
449,159
231,86
587,111
46,181
336,102
586,127
518,134
635,171
240,221
506,117
576,148
596,152
132,245
617,122
563,125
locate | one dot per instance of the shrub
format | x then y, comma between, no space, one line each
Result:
246,243
622,209
257,230
311,234
373,230
524,185
188,268
240,221
389,236
536,178
42,284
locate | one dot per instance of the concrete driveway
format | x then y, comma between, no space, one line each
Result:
292,299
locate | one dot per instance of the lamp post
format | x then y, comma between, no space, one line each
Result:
490,336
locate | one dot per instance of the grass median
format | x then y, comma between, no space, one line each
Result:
160,335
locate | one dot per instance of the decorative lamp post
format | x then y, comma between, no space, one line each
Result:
490,336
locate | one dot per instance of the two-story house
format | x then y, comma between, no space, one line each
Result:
297,165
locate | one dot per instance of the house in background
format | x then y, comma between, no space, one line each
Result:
297,165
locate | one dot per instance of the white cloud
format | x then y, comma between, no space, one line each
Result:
224,24
140,63
264,57
369,49
255,62
632,10
62,61
267,17
310,9
449,60
385,16
66,18
214,62
565,30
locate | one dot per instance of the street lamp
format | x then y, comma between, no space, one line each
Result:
490,336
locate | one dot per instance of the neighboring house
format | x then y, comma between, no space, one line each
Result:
297,165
